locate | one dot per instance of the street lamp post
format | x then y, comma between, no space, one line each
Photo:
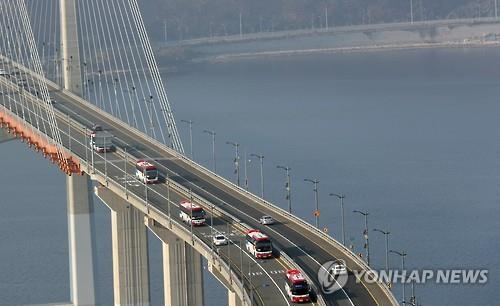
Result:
105,163
212,229
288,186
190,124
168,201
402,255
261,158
316,198
228,235
212,133
236,160
246,169
386,234
365,233
341,197
413,298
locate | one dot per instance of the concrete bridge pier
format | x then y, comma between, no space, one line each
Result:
182,269
130,251
81,234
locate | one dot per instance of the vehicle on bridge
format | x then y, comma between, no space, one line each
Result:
258,244
146,172
100,140
192,213
296,287
266,220
338,268
220,239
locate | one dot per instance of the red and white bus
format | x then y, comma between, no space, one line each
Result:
258,244
192,213
296,287
146,172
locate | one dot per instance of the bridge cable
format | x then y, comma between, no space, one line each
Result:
153,67
33,52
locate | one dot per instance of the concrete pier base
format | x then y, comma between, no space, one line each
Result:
5,136
182,269
130,251
81,235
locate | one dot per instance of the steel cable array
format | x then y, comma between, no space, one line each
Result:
120,72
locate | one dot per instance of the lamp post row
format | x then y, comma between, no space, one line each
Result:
288,195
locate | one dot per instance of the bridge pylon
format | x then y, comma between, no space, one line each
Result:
81,230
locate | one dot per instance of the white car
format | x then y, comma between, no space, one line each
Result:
220,239
338,269
266,220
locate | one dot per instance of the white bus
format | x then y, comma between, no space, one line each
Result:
296,287
146,172
192,213
258,244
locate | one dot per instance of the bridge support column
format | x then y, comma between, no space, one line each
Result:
130,251
233,299
182,269
81,235
5,136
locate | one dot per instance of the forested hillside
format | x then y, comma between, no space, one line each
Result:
184,19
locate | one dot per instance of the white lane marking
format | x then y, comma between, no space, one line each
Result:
130,181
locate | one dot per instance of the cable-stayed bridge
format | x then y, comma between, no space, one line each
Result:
68,66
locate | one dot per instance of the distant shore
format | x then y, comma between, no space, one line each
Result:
371,48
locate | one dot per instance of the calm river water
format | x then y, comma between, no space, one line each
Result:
410,136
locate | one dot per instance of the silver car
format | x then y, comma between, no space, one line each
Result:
266,220
220,240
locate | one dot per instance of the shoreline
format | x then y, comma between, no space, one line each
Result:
359,49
